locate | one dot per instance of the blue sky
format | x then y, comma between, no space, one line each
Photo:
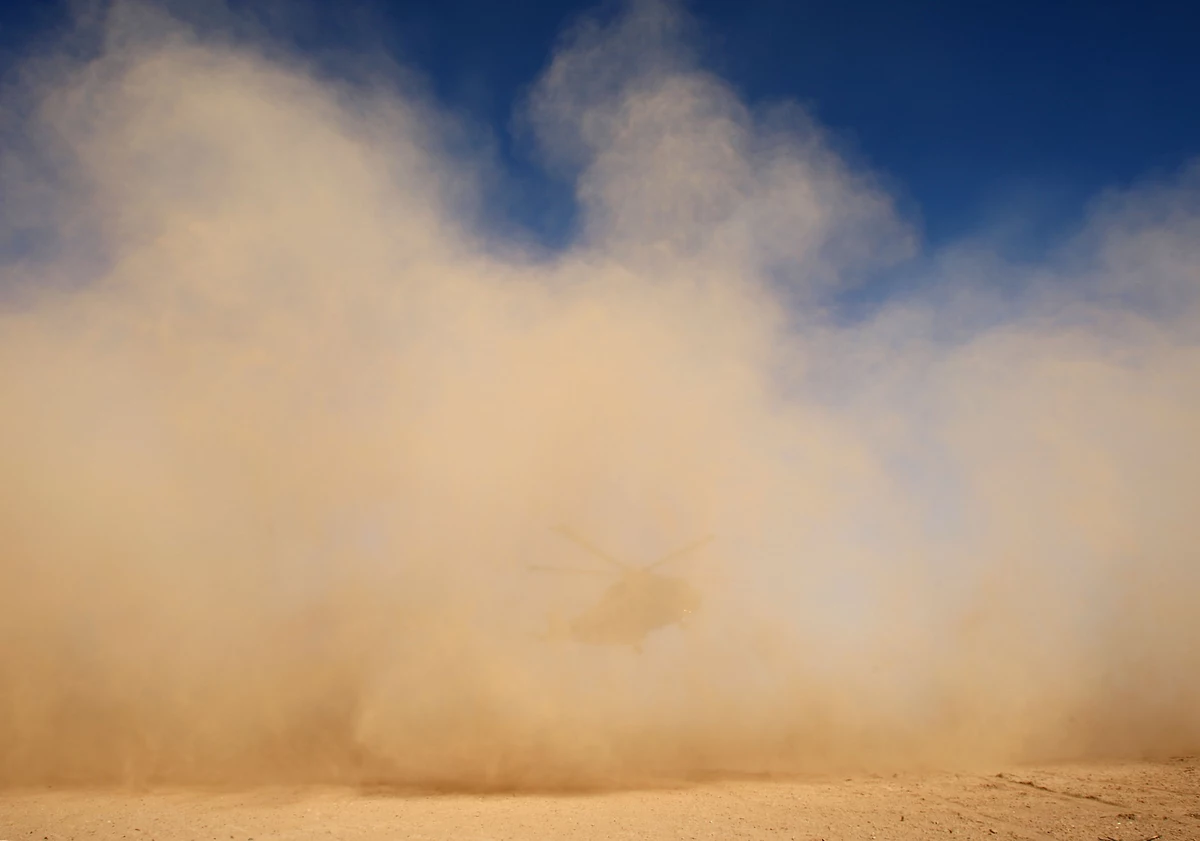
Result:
980,115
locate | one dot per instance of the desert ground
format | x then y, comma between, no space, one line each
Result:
1133,801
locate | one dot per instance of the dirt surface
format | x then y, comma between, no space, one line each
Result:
1121,802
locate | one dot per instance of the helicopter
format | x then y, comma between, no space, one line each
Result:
640,602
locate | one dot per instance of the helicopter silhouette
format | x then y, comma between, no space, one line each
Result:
640,602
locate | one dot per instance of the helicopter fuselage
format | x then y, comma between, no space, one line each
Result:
640,603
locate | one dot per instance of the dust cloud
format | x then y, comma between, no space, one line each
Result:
284,421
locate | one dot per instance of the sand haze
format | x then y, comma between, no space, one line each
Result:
284,422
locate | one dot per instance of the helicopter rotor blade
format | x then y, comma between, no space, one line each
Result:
670,556
544,568
587,547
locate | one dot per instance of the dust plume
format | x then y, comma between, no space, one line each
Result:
284,422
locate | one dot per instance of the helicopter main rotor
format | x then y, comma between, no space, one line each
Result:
640,602
628,569
547,568
685,550
590,549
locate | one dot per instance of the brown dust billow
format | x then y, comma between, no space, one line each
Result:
286,412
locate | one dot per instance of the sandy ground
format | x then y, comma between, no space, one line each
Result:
1125,802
